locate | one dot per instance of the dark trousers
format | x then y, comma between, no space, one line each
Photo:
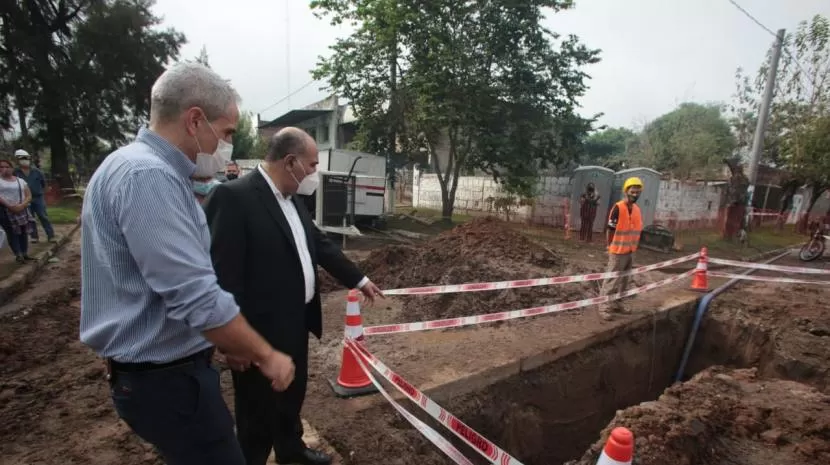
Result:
266,418
38,208
18,242
179,409
586,230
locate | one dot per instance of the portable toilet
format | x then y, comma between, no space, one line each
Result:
603,180
651,188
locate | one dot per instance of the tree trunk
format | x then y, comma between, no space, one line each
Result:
24,126
60,157
447,204
803,224
447,193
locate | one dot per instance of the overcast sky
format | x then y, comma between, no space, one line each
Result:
655,53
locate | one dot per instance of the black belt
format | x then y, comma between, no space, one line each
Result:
206,354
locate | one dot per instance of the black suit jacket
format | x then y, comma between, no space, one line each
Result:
256,260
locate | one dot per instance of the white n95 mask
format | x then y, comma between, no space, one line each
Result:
309,184
208,164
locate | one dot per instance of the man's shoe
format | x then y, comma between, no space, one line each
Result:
307,456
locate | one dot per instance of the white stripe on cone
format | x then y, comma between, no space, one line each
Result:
604,459
353,309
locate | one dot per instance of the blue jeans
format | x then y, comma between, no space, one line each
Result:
38,208
180,410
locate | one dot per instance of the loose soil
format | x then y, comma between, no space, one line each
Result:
776,412
483,250
55,402
725,416
782,329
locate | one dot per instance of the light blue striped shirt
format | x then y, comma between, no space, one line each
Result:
148,288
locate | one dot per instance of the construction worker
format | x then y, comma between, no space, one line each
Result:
625,223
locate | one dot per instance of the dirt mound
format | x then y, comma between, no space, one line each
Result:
482,250
728,416
35,335
795,330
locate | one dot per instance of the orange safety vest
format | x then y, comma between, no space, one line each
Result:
629,226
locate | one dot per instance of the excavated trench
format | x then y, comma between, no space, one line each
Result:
552,413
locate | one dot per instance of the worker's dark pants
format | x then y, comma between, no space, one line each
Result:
179,409
586,229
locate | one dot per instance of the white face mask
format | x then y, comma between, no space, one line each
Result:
208,164
309,183
25,163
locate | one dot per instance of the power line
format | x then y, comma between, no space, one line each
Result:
804,73
749,15
287,96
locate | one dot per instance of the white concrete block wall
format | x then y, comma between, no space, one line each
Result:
685,202
678,202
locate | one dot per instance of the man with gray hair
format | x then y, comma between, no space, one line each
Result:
150,302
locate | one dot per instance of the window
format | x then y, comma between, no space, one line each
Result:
323,133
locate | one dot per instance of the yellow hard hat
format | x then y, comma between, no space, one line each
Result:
632,182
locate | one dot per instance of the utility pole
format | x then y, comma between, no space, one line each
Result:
760,129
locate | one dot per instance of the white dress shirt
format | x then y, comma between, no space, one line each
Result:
297,230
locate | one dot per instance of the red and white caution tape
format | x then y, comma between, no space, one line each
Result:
493,453
764,266
433,436
770,279
501,316
491,286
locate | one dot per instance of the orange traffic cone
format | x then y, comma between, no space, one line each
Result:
352,381
700,280
619,449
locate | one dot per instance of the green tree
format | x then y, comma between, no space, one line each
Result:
607,147
800,106
498,94
203,57
79,71
691,140
244,139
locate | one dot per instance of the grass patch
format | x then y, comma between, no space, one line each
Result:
425,213
66,212
434,225
761,240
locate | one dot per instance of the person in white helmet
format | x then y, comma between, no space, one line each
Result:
37,185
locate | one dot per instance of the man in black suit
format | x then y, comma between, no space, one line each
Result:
266,250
